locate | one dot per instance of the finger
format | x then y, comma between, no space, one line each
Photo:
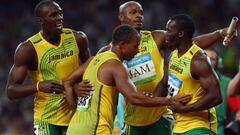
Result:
57,85
185,99
78,88
56,91
182,97
83,93
85,81
85,84
236,33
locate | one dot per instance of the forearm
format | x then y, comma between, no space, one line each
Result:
161,90
70,96
16,91
142,100
204,103
206,40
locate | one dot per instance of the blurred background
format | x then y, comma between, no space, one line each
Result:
97,18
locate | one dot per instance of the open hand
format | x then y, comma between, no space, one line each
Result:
83,88
51,86
182,98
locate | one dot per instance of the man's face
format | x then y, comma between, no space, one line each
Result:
52,18
132,14
172,35
213,57
130,49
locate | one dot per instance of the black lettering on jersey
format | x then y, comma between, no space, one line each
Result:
176,68
63,55
170,89
139,71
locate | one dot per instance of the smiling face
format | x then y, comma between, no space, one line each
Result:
131,13
51,18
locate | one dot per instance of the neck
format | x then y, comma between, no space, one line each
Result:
52,38
183,47
115,50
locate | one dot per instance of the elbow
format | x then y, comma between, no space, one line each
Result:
10,94
218,100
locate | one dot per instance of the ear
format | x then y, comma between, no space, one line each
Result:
39,20
120,17
121,45
180,34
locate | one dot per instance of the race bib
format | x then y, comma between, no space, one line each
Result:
141,69
174,84
82,103
36,127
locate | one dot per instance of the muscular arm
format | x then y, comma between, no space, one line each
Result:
161,89
23,59
82,42
75,77
208,81
234,86
203,41
127,88
206,40
159,38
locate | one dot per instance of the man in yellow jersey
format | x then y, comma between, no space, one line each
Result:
48,57
156,120
190,72
95,113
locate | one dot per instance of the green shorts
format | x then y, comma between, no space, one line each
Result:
43,128
161,127
197,131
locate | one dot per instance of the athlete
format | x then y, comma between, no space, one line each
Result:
190,72
48,57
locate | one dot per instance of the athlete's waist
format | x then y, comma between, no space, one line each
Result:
144,116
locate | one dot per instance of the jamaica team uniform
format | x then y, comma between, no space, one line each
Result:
146,71
54,63
95,114
181,81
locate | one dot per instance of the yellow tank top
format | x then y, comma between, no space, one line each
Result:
181,81
95,114
54,63
146,71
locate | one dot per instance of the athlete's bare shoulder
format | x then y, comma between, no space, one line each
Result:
25,54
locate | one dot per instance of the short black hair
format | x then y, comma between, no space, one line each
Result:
123,33
38,8
184,23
